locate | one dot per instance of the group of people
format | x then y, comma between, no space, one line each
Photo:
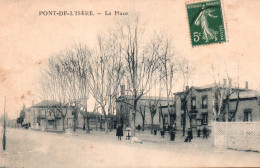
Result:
190,135
120,133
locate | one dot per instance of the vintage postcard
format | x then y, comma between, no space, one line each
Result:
129,83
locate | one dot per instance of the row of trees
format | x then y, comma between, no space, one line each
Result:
124,56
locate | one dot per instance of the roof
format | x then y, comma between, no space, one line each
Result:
246,94
210,86
146,97
47,103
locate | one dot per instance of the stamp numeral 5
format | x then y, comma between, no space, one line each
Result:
196,36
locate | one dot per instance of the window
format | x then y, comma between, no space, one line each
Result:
182,104
204,101
247,115
193,103
204,118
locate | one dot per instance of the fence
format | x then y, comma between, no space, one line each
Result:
237,135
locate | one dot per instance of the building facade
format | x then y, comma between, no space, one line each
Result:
199,104
46,115
248,106
202,106
147,106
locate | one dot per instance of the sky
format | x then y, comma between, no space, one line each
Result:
27,40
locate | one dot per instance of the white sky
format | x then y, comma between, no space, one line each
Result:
27,39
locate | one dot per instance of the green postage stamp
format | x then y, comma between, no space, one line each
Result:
206,22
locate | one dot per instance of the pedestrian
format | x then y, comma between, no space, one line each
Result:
204,131
155,132
190,136
119,132
162,133
198,133
128,129
139,127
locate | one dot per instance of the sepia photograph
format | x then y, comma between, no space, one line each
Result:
129,83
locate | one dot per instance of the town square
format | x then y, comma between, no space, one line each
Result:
130,83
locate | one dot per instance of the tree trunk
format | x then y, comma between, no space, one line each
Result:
143,120
111,124
184,123
152,126
107,126
227,109
84,123
46,122
161,118
133,112
74,125
88,129
235,112
101,123
134,117
63,123
106,120
96,119
74,121
55,123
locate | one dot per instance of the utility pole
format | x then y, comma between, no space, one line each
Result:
4,135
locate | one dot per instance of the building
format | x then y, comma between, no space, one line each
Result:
202,105
147,107
47,115
248,107
199,103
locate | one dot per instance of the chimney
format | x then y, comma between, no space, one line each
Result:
230,82
122,90
187,88
224,82
246,85
32,102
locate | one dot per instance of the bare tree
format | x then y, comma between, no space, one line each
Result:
222,93
153,107
140,58
104,73
65,80
186,70
168,69
51,86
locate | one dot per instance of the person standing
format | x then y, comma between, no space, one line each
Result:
139,127
204,131
189,137
119,132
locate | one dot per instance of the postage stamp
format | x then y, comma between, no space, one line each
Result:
206,22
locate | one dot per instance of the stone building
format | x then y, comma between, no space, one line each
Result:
202,105
248,107
45,115
146,104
